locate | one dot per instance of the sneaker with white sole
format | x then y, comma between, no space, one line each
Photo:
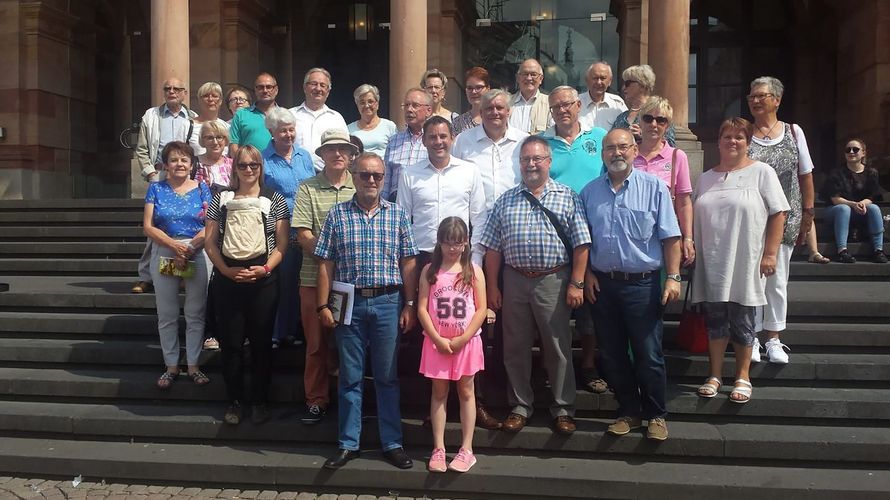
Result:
463,461
755,351
437,461
775,351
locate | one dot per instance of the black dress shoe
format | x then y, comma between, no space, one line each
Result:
341,458
399,458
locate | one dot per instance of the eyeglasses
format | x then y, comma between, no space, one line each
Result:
477,88
252,166
343,149
529,74
321,85
168,88
265,87
218,138
434,88
414,105
453,245
537,160
759,97
852,150
621,148
211,97
367,176
628,82
661,120
237,100
562,106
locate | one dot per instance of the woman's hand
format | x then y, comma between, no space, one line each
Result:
258,272
181,249
180,263
457,343
768,265
326,318
688,252
442,345
860,207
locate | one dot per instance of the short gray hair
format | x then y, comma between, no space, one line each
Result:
278,117
433,73
564,88
494,94
426,97
364,89
774,84
600,63
317,70
208,88
641,73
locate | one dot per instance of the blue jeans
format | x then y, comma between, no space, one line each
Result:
842,215
630,311
287,318
375,326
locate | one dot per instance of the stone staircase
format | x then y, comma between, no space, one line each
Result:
79,356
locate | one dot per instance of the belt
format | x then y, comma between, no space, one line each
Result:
537,274
620,276
377,291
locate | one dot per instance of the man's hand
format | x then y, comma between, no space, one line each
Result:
591,287
671,291
443,345
574,297
407,319
495,301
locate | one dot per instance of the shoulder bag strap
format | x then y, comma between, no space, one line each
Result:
553,220
673,187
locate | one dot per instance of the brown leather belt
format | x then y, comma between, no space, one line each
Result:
537,274
617,275
377,291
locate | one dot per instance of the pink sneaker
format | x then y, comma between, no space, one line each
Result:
437,461
463,461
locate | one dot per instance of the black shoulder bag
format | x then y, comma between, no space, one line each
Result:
554,221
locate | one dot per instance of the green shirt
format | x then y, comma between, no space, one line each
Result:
249,127
315,198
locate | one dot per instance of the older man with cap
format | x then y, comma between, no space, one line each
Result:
637,233
315,198
313,115
599,108
406,147
538,230
530,113
171,121
249,124
286,165
367,242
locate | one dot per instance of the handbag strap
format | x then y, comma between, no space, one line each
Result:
673,186
688,289
553,220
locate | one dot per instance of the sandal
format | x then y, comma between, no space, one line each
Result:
818,258
708,389
165,381
593,382
199,378
741,393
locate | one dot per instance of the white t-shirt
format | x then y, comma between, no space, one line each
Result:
730,212
376,139
498,162
196,136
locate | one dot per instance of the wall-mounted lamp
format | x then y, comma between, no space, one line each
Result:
2,132
483,23
358,21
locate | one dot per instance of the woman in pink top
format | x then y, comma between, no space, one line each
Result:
451,309
669,164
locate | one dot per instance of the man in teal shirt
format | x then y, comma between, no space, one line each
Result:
576,152
249,124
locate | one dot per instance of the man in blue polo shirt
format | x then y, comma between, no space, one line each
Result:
635,233
249,124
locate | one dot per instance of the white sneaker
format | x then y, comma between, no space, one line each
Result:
755,351
775,351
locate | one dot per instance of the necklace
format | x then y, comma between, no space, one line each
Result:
766,136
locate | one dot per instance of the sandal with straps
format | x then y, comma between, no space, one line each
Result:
708,389
165,381
199,378
818,258
741,393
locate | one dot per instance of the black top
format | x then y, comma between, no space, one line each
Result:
854,187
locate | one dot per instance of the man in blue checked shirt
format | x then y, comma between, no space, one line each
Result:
542,282
367,241
636,233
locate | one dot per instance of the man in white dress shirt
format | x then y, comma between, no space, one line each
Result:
531,113
598,107
493,147
314,116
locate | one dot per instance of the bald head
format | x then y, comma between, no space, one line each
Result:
598,78
529,77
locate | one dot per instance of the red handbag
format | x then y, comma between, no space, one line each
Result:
692,335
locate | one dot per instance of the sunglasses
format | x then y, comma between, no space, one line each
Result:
366,176
852,150
661,120
628,82
252,166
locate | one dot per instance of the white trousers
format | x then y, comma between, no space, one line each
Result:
772,316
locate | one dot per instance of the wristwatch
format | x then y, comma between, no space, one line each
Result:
675,277
410,303
577,284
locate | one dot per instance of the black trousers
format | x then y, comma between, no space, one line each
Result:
245,310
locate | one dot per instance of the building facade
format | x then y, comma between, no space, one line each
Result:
77,75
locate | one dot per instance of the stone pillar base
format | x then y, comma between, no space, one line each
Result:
689,143
26,184
136,187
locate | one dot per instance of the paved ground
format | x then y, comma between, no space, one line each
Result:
14,488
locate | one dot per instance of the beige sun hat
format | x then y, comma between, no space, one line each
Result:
334,136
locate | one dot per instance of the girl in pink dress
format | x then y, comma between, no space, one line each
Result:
451,310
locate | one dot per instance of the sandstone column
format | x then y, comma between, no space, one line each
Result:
407,51
632,25
169,44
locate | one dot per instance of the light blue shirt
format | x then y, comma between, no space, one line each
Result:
285,177
627,227
172,127
375,140
577,163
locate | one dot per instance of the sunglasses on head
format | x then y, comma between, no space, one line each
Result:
245,166
852,149
366,176
661,120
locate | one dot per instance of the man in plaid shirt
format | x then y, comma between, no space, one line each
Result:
367,241
406,147
542,282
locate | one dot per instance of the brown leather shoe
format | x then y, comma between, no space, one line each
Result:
484,419
143,287
514,423
564,425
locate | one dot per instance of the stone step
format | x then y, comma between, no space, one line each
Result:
188,421
861,250
496,475
139,384
835,271
100,266
127,205
99,353
74,233
97,249
80,217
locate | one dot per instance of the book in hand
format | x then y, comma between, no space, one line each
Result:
341,301
166,265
